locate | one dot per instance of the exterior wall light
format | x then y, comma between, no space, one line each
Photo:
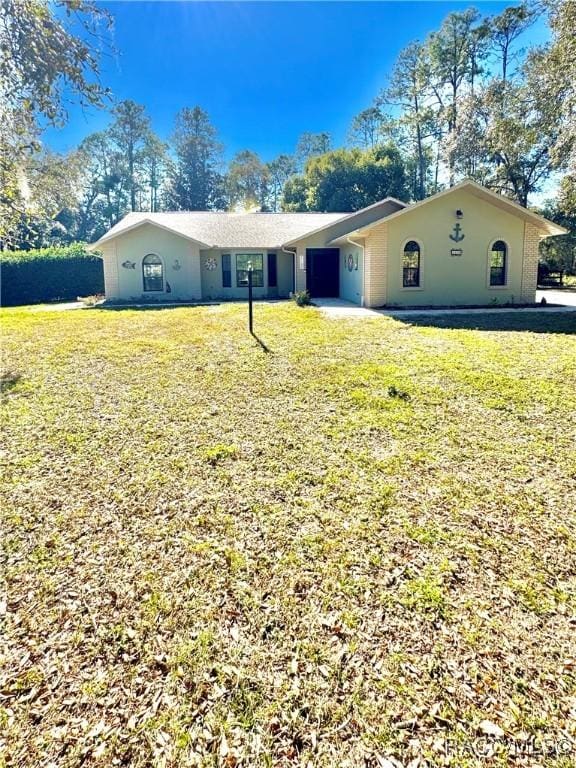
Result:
459,214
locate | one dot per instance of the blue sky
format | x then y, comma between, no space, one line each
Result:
264,71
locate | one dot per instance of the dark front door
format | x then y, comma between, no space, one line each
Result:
323,272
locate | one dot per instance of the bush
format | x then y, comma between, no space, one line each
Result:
302,298
49,274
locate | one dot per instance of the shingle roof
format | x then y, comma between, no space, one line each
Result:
230,230
273,230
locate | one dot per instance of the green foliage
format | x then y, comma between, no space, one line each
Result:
279,172
46,59
49,274
294,196
415,129
470,102
43,64
311,145
123,168
219,452
194,181
560,74
247,181
302,298
367,129
348,179
560,252
129,133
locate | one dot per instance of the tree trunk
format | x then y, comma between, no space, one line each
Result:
420,149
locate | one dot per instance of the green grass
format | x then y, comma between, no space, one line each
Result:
218,556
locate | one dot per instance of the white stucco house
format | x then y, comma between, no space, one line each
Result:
464,246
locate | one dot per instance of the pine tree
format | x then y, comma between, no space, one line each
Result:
194,180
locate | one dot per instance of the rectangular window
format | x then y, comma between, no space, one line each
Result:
272,271
226,270
497,276
242,262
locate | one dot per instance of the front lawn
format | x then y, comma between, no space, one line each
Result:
356,549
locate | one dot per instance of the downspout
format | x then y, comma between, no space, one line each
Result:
294,267
361,246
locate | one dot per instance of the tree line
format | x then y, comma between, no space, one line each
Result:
128,167
467,101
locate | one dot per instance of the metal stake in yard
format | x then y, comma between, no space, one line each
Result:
250,321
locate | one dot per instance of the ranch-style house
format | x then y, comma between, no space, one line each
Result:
461,247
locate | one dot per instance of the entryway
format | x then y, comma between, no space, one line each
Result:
323,272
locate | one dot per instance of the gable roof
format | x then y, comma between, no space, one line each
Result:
352,221
228,230
504,203
211,229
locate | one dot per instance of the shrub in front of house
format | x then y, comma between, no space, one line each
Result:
302,298
49,274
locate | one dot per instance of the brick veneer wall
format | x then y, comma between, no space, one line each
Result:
111,280
530,263
376,266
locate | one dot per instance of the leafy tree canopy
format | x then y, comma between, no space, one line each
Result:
43,57
347,180
194,178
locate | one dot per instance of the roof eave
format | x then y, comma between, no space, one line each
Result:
347,216
111,236
345,238
556,230
315,231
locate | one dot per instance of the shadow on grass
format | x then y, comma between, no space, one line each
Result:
150,307
158,307
179,305
9,380
261,343
540,322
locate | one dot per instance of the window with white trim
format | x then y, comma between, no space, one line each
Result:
153,273
411,265
243,260
498,263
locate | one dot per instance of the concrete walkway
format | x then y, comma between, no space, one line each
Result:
567,297
58,307
340,308
337,308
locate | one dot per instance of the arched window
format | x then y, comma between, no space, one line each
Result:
411,265
153,273
498,263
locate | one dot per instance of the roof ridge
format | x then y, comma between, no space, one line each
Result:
245,213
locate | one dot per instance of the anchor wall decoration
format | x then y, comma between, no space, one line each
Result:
457,237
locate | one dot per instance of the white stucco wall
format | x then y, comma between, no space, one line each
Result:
447,279
351,279
286,268
212,288
180,257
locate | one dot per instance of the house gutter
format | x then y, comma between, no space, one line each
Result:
362,248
